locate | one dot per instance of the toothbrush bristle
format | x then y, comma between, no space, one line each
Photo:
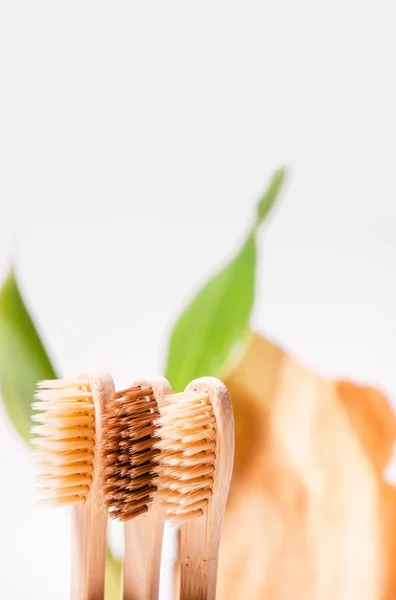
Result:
187,444
129,459
64,448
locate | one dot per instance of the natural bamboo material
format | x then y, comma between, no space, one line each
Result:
200,537
70,469
197,431
89,520
130,463
144,534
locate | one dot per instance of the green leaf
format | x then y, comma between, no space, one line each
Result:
268,199
23,359
212,330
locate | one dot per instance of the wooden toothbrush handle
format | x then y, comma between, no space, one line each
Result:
200,537
198,560
89,520
89,525
144,534
143,545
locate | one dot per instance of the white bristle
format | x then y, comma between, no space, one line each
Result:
58,384
66,439
187,440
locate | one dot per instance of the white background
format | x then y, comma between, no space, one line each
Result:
135,138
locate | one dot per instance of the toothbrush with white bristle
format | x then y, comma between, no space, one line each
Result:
69,421
196,443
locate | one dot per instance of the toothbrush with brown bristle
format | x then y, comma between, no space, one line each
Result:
196,430
69,464
130,474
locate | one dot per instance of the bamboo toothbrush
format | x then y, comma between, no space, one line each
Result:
130,471
196,429
69,469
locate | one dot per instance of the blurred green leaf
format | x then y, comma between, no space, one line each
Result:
213,328
113,577
23,359
268,199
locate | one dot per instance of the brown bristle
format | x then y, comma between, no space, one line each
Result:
128,455
187,444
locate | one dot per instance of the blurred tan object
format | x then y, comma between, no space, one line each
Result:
309,516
